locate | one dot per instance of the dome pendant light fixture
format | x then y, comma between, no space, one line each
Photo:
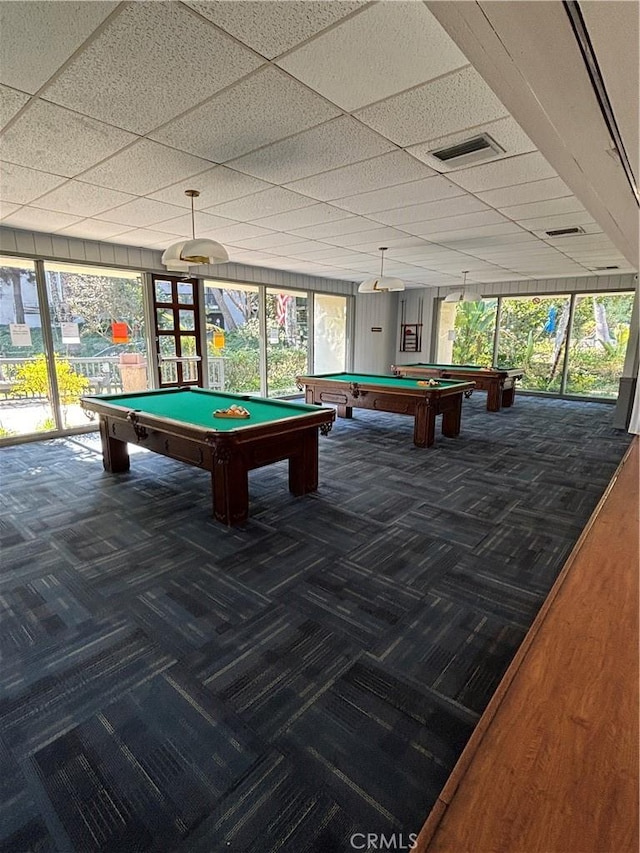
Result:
381,284
464,295
188,253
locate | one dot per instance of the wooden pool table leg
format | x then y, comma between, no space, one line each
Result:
115,453
230,485
493,397
424,427
344,411
452,418
303,465
508,395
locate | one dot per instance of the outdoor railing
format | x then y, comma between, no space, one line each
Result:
103,372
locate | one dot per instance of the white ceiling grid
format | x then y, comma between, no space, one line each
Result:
307,126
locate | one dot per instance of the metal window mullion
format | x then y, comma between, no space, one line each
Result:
262,324
148,302
496,334
311,330
48,344
565,360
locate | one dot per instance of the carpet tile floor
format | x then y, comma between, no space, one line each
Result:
172,685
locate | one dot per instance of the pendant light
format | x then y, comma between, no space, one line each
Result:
381,283
188,253
464,295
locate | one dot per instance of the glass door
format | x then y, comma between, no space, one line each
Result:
232,313
329,333
287,341
177,331
98,333
26,403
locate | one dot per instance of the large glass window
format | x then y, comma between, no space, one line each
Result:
25,388
329,333
233,336
466,332
599,338
97,324
287,341
533,335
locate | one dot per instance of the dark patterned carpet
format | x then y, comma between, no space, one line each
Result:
169,684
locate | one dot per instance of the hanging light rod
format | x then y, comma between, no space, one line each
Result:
381,283
187,253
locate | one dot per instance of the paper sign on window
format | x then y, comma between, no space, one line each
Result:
70,333
20,334
119,333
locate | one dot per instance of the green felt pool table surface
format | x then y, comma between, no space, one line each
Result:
383,380
195,406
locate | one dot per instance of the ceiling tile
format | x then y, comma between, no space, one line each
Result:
314,215
427,190
273,241
240,231
563,220
266,203
56,140
406,44
226,127
506,132
521,169
377,173
350,225
7,208
370,241
39,220
21,185
463,222
548,188
58,30
141,212
272,28
329,146
303,249
441,209
82,199
568,204
216,186
152,62
205,224
11,102
147,238
145,167
94,228
452,103
458,239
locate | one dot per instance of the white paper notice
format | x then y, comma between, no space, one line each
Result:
20,334
70,333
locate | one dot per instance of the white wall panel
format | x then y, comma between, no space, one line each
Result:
375,351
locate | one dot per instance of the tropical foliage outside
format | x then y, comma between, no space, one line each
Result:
534,334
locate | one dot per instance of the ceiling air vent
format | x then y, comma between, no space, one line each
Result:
564,232
473,150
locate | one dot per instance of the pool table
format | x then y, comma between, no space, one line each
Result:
179,422
498,382
391,394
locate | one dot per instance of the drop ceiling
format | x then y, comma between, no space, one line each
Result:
308,129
